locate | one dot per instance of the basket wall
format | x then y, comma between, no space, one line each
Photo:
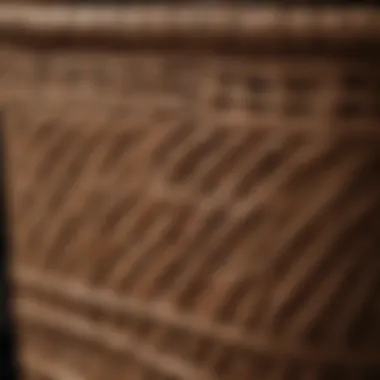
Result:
195,215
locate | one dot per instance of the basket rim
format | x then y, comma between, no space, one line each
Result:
253,27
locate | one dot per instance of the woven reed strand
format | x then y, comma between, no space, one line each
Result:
193,214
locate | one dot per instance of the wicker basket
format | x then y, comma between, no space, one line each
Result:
195,192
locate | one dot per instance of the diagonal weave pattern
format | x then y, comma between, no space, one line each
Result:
194,216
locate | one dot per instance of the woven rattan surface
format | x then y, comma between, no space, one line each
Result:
312,3
188,210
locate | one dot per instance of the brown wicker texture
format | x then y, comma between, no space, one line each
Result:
194,213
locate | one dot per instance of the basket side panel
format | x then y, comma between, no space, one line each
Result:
188,211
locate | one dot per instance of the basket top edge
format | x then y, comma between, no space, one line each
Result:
255,26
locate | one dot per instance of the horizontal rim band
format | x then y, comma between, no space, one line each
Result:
265,26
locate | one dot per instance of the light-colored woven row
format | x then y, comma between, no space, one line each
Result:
192,214
268,27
